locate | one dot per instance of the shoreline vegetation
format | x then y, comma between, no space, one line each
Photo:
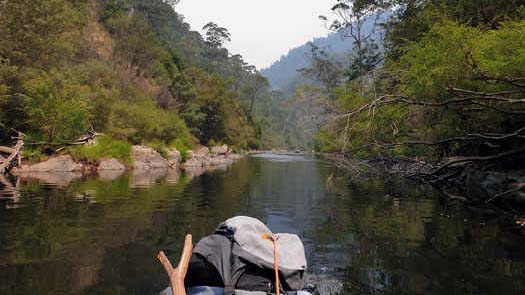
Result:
111,155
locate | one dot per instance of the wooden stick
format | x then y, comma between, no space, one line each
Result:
177,275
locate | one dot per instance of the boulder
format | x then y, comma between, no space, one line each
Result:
219,150
111,164
193,162
145,158
218,161
55,164
201,152
198,157
174,158
202,157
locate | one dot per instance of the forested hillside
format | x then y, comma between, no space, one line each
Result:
284,75
131,69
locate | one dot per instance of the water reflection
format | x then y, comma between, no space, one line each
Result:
147,178
110,175
59,179
373,236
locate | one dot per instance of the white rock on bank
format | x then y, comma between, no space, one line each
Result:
219,150
110,164
198,157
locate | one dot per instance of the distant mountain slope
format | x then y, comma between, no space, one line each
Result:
283,74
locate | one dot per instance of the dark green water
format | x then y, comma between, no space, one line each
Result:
100,235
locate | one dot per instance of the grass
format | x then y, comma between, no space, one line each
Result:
33,154
105,147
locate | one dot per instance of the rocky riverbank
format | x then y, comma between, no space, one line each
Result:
143,158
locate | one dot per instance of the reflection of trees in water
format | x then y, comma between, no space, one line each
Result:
379,236
405,244
62,237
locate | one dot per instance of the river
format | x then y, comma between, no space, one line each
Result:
70,234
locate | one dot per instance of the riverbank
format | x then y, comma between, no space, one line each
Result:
142,158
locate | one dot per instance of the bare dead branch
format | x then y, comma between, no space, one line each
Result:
15,155
177,275
394,99
465,160
520,133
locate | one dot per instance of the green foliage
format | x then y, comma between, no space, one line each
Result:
142,121
215,114
132,69
183,146
105,147
447,57
33,154
54,107
40,33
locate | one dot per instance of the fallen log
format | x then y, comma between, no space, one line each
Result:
5,166
177,275
6,150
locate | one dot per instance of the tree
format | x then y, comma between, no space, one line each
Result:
351,18
216,36
323,69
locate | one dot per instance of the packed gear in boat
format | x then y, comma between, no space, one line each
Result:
244,257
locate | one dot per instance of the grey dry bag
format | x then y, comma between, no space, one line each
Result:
238,247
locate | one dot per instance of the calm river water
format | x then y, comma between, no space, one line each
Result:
63,234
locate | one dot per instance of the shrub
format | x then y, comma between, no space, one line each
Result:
105,147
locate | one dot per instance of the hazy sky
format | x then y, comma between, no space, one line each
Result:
262,30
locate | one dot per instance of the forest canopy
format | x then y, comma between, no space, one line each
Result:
133,70
447,79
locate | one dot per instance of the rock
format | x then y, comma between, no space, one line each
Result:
201,152
56,164
202,157
174,158
197,158
111,164
219,161
145,158
219,150
193,162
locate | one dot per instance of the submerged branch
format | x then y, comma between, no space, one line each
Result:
465,160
